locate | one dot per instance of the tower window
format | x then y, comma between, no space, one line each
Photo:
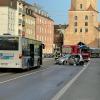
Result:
75,30
81,6
86,17
86,30
81,30
75,24
86,23
75,18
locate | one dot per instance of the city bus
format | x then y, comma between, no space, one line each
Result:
95,52
20,52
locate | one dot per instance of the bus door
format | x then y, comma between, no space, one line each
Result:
40,53
32,54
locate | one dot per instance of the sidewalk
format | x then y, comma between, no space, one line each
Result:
87,86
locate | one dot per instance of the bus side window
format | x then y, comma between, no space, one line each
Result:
23,52
32,50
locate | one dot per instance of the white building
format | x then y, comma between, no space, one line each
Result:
11,17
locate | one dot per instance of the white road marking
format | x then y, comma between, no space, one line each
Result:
68,85
22,76
2,74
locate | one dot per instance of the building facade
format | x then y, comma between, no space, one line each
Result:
83,20
8,16
59,31
45,32
44,29
16,18
20,18
28,23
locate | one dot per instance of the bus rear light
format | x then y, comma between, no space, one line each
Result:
20,56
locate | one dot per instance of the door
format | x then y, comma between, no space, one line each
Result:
31,54
40,54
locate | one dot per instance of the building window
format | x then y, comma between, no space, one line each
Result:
75,24
20,11
76,18
11,3
81,30
75,30
86,23
19,3
20,21
81,6
86,30
86,17
27,11
9,26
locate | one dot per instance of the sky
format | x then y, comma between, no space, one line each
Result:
57,9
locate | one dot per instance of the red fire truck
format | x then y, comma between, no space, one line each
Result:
77,49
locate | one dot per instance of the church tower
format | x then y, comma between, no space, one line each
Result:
83,20
84,4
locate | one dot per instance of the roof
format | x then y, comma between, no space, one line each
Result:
72,7
30,5
98,28
81,43
43,16
90,8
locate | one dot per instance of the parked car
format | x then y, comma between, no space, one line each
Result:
63,59
76,59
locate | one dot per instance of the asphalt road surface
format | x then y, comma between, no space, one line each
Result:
87,85
38,84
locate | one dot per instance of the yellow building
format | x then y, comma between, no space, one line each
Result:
83,23
28,21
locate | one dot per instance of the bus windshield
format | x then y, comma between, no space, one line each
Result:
9,43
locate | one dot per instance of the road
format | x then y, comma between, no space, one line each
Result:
38,84
86,86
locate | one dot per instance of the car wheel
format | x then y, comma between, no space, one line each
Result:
64,62
82,63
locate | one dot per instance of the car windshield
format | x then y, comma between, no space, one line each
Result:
66,55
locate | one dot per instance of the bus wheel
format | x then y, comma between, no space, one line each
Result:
28,65
38,63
